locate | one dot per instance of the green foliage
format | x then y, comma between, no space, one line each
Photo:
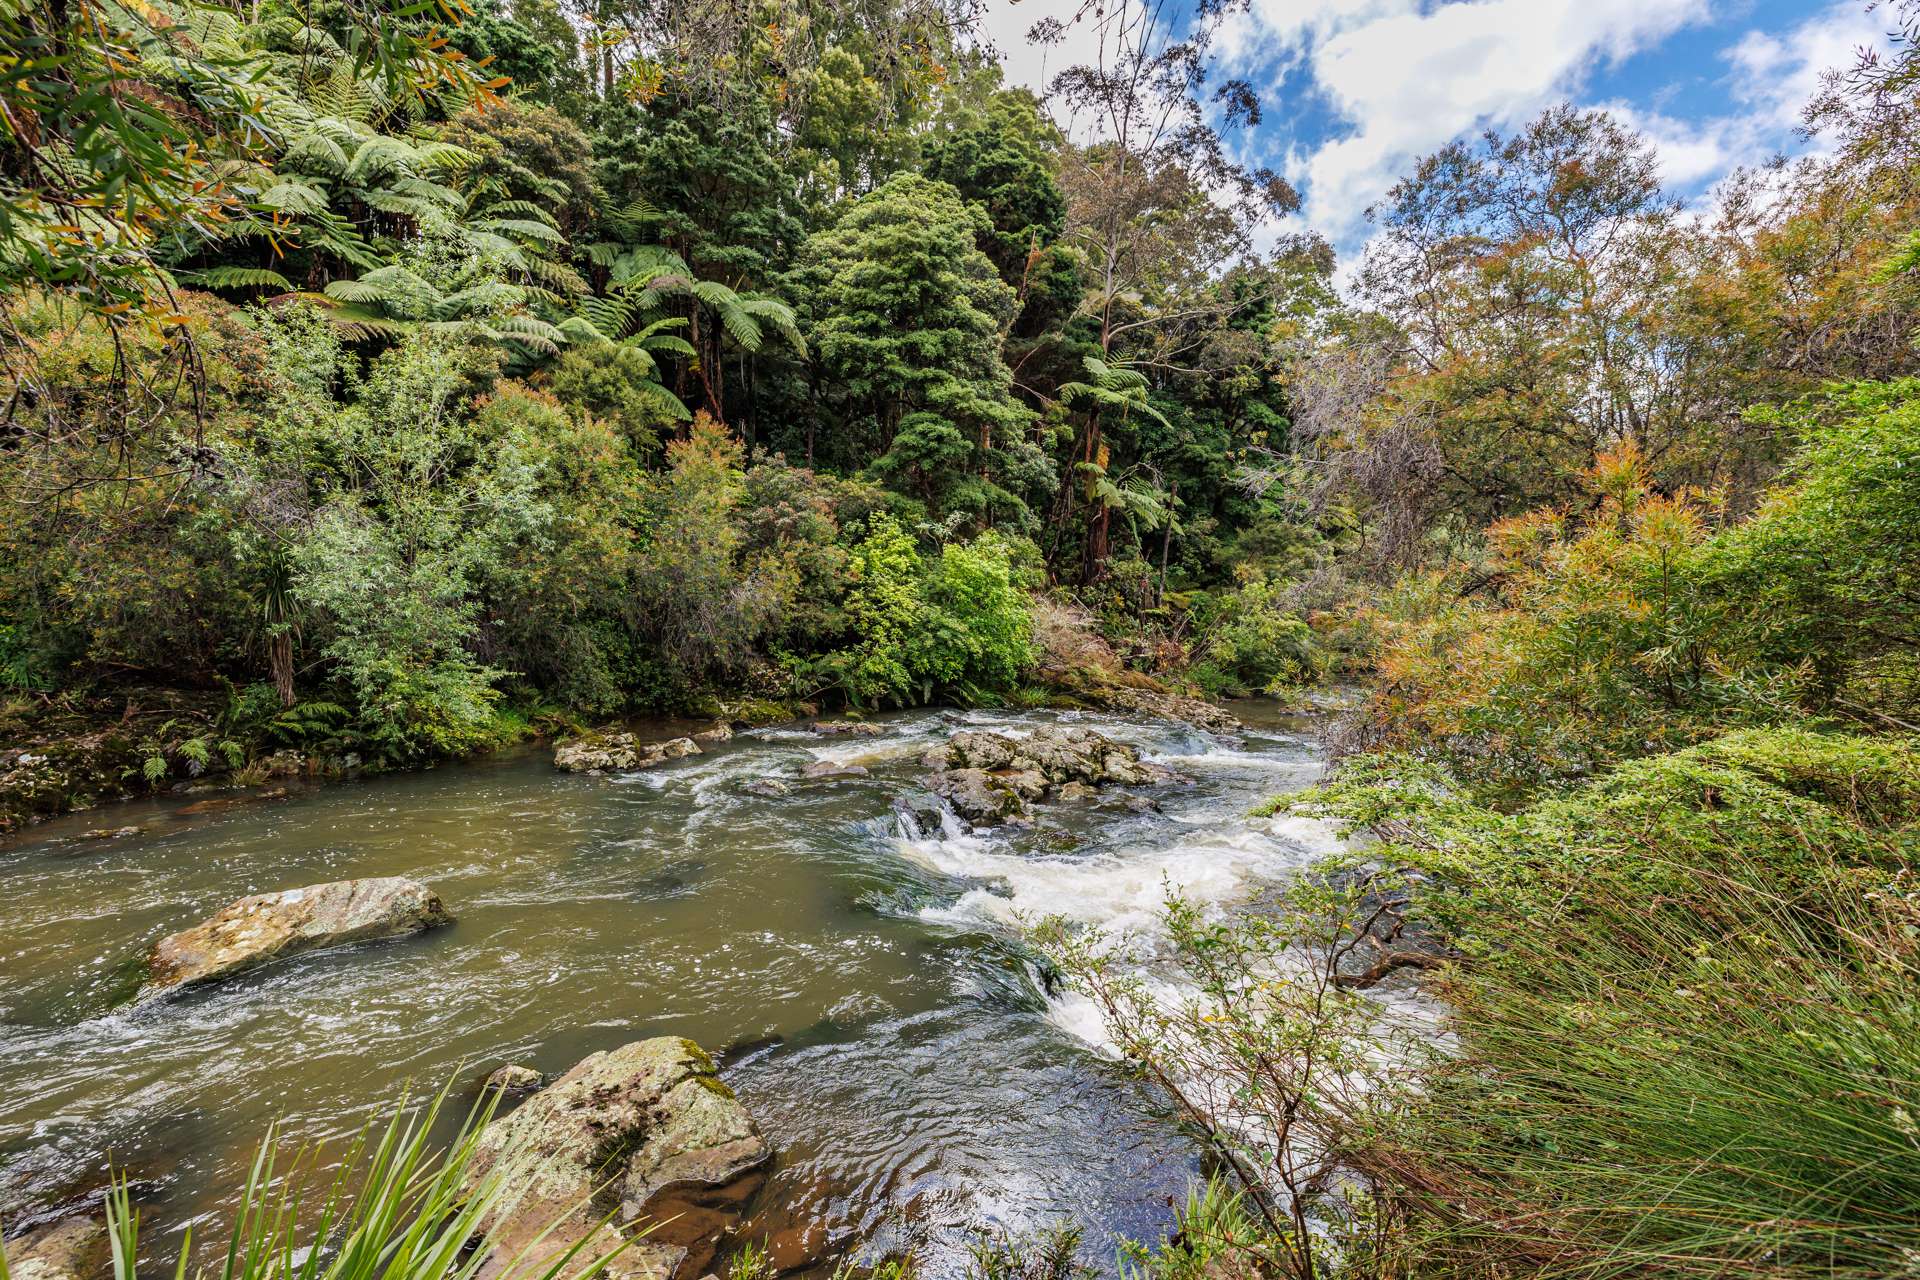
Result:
1257,643
1052,1254
1686,1024
398,1208
905,316
1640,626
960,625
1827,571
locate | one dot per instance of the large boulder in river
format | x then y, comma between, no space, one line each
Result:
619,753
991,778
73,1248
640,1137
267,926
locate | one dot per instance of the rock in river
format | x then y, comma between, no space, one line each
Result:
643,1136
989,777
266,926
619,753
74,1248
513,1080
846,728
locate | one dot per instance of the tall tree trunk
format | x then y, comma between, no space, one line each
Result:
1166,543
280,660
1094,556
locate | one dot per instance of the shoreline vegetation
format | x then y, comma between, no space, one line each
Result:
382,387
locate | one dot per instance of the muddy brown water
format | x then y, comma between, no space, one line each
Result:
859,971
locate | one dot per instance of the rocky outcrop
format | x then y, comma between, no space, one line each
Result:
846,728
991,778
640,1137
268,926
619,753
56,776
1163,704
73,1248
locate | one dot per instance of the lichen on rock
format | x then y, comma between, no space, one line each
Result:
253,930
644,1137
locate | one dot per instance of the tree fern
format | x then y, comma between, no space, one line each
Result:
237,278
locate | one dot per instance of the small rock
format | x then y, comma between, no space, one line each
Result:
978,796
266,926
829,769
720,732
110,833
74,1248
770,787
513,1080
1077,791
847,728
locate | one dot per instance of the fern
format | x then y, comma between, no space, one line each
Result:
238,278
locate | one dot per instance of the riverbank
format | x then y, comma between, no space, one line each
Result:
80,751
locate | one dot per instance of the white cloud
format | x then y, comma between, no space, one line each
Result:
1407,81
1006,23
1405,77
1775,73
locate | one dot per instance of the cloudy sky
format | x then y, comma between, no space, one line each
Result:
1356,90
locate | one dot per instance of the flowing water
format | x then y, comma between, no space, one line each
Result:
856,965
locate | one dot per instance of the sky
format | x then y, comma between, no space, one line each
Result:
1355,91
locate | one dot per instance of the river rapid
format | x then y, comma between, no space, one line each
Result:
857,969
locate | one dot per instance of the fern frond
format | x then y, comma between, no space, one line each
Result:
238,278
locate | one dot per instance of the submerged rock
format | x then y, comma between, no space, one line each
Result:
513,1080
992,778
267,926
110,833
620,753
73,1248
642,1137
220,804
772,788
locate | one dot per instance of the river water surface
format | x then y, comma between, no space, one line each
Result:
858,971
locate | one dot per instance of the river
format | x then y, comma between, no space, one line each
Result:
861,978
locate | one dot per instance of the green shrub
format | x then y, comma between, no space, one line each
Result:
1257,642
1689,1035
961,624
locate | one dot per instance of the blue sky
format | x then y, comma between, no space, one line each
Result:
1356,90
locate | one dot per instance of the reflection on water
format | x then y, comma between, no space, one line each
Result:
865,971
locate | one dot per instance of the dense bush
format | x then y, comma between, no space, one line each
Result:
1687,1024
1637,625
